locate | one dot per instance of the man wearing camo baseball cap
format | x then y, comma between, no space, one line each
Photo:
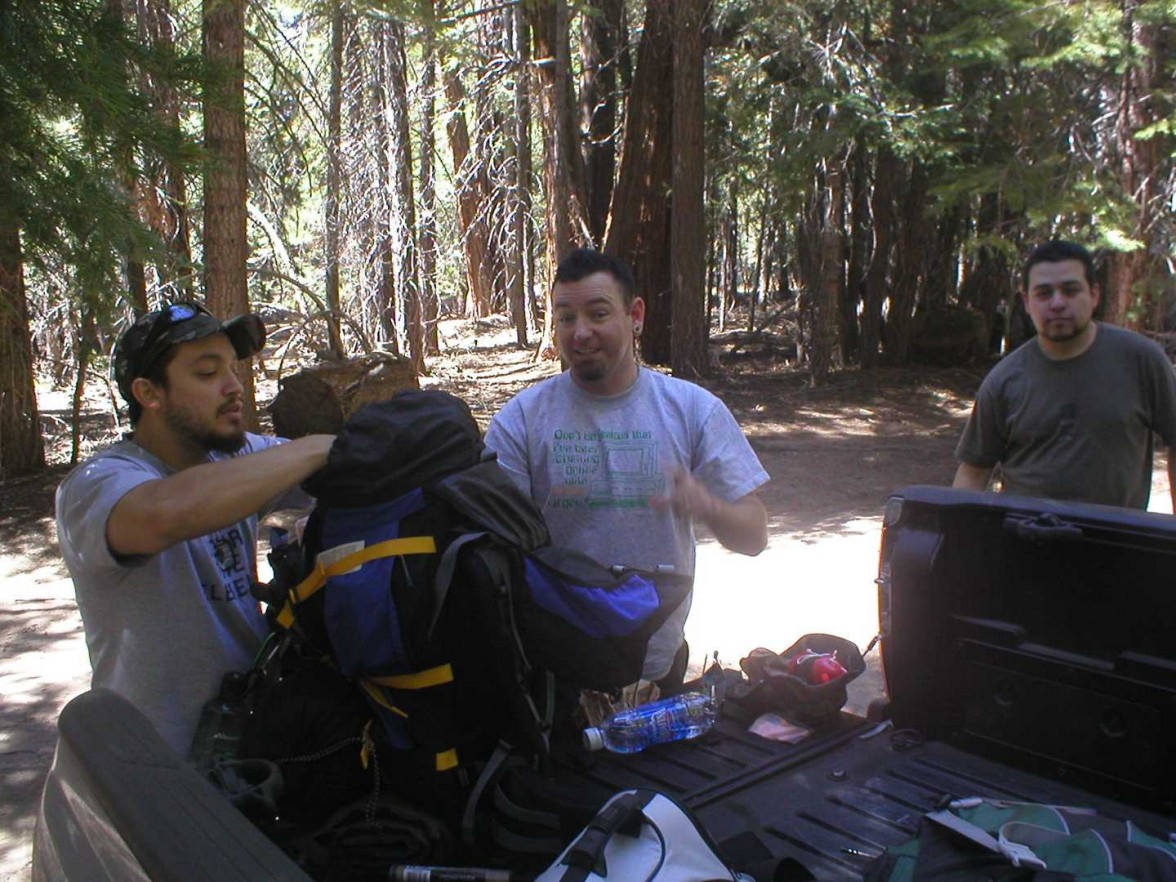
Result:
159,530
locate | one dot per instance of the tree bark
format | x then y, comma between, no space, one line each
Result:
22,451
225,183
1140,275
427,224
601,36
887,182
471,193
913,235
403,213
688,218
639,224
164,198
563,175
729,277
522,288
334,181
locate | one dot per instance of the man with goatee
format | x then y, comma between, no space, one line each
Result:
1070,414
159,530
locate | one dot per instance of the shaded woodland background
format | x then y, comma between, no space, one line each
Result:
861,178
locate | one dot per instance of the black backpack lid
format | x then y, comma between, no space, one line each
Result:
488,496
389,447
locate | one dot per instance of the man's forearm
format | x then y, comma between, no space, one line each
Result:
210,496
741,526
970,477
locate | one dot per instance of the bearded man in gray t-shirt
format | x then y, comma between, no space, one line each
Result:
158,531
625,460
1071,413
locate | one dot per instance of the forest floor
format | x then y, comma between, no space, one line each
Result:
834,453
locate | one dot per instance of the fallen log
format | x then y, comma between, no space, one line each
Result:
319,398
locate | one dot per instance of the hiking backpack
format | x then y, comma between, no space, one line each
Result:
428,578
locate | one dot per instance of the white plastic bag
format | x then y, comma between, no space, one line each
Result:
641,834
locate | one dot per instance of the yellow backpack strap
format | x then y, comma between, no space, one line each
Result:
425,679
315,581
443,760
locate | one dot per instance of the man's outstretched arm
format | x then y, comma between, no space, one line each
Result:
207,497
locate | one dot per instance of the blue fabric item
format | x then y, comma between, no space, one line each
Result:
360,614
597,611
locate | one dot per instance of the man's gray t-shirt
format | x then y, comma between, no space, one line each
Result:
1078,428
593,463
161,629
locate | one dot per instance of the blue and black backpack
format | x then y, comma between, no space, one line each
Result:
429,580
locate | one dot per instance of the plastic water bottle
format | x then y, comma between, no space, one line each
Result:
672,719
222,723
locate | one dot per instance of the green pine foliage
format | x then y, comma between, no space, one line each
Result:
76,128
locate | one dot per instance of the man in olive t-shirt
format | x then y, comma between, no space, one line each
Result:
1070,414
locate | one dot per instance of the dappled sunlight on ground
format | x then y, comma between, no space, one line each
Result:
43,663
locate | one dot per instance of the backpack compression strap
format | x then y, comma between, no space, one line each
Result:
315,581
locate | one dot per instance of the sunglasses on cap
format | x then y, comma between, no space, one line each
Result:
158,340
154,333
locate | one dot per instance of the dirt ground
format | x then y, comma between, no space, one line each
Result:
833,453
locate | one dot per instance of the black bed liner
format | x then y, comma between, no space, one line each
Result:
833,801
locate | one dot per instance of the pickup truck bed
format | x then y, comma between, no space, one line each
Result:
1029,656
834,801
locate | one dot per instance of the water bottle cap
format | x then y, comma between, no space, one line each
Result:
593,739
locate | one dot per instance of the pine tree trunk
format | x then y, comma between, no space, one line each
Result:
471,189
164,200
913,235
334,182
386,302
563,174
522,297
225,183
22,451
688,217
887,180
639,224
1144,165
601,36
427,224
404,211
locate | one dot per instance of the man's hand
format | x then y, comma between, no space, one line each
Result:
687,498
740,526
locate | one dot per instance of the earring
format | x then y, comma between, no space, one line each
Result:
637,328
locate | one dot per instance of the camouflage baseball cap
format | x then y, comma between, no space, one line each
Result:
146,341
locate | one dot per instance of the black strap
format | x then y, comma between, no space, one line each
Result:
587,852
445,569
469,815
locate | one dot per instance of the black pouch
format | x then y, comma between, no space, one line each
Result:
771,687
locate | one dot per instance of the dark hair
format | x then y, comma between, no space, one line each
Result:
580,263
1056,251
157,374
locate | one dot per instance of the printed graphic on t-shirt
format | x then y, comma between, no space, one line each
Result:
228,549
604,469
